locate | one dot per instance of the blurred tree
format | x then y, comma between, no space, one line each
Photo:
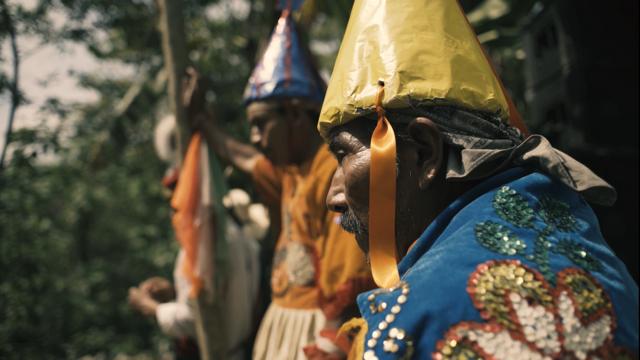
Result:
78,231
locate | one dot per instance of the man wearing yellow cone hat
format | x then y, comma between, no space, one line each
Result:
500,256
317,268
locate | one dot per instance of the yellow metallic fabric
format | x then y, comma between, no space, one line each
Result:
423,50
359,327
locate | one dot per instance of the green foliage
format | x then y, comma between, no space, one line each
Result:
83,215
75,236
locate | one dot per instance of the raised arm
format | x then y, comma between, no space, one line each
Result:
241,155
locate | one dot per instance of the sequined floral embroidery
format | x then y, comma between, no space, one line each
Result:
529,319
513,207
557,219
557,214
577,254
499,239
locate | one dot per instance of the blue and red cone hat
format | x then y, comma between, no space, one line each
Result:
286,69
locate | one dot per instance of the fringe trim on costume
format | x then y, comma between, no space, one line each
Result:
285,332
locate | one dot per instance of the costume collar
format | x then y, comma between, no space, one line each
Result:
440,223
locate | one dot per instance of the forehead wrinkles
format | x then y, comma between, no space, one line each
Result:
354,133
362,128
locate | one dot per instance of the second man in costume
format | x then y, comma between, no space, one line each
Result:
317,267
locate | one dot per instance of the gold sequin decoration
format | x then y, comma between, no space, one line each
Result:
526,318
382,307
587,294
489,285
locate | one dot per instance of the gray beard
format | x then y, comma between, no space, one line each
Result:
351,224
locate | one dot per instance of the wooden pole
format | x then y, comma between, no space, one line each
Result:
171,27
209,313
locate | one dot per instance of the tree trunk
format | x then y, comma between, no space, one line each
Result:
13,86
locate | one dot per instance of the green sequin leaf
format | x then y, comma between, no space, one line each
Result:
500,239
512,207
541,257
557,214
577,254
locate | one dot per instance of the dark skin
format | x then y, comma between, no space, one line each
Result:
281,130
422,190
149,294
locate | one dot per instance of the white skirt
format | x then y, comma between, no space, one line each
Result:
284,332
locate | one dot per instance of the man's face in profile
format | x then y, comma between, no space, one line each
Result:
419,156
349,192
269,131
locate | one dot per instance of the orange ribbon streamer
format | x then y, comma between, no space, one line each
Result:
382,200
185,201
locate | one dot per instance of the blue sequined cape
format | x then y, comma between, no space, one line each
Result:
515,268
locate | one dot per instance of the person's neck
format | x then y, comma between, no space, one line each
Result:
429,205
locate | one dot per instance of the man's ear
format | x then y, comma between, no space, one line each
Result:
428,138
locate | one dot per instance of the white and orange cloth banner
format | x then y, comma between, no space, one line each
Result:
193,218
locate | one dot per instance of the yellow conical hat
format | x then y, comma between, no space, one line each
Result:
423,50
396,54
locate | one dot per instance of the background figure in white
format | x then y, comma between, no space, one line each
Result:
175,318
247,224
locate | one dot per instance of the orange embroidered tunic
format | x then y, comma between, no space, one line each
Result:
316,263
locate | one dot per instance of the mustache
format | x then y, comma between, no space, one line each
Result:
350,223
